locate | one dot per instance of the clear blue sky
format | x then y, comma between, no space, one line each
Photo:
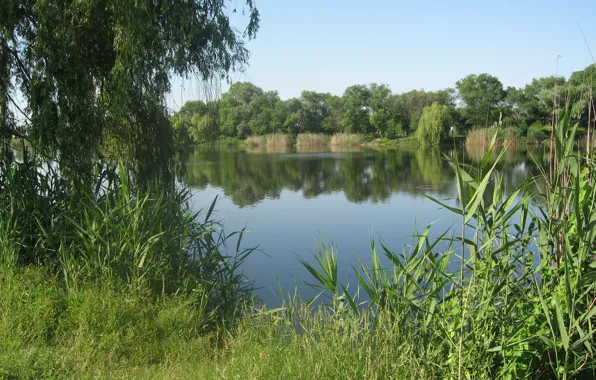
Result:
328,45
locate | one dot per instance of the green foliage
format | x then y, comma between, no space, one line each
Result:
502,314
481,94
94,74
434,124
536,133
356,115
143,238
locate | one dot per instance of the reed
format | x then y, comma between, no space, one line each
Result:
345,139
312,139
255,141
521,303
480,137
278,139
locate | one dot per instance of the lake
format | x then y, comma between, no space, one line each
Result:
291,199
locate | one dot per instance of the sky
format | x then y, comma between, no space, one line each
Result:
328,45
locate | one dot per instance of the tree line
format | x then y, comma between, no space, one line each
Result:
476,101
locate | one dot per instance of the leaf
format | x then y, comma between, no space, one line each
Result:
561,323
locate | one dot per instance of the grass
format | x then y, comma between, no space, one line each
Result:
312,139
102,332
115,275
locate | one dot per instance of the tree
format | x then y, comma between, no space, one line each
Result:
263,109
540,98
332,121
238,106
513,112
292,110
356,116
313,111
413,104
90,69
582,85
205,126
481,95
380,116
434,124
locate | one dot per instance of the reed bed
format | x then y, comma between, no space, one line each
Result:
481,137
278,139
254,141
346,139
312,139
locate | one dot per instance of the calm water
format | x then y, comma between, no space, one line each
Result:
291,200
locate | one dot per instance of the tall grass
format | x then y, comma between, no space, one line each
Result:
256,141
142,238
345,139
278,139
521,304
312,139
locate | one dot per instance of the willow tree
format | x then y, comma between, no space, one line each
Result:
434,124
87,77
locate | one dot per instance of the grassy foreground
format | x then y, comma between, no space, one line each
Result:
127,283
100,332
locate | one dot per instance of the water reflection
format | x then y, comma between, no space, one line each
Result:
249,175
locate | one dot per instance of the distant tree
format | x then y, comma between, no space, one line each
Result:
332,122
292,109
262,110
238,106
415,101
380,115
541,96
481,96
313,111
357,110
512,108
582,95
434,124
398,123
